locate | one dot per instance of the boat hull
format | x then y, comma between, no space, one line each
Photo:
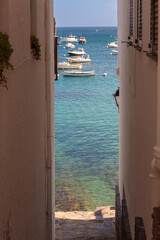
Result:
76,54
71,66
112,45
79,60
65,40
69,40
70,46
114,52
78,74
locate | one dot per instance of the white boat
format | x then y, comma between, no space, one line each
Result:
83,59
67,65
80,52
112,45
114,52
70,45
82,40
79,73
69,39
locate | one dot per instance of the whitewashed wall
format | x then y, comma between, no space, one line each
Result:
24,123
138,102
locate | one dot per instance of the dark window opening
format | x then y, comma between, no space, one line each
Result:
131,21
139,24
154,27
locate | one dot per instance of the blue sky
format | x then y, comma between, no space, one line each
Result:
72,13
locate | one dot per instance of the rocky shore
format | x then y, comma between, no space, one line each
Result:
95,225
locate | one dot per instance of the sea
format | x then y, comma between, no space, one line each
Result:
87,125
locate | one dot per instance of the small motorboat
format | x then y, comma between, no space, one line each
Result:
114,52
70,45
112,45
59,43
75,73
83,59
78,52
82,40
69,39
67,65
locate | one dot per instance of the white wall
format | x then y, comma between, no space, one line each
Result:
23,125
138,101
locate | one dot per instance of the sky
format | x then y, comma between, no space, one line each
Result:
81,13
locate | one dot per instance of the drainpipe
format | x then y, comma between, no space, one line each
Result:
49,53
156,160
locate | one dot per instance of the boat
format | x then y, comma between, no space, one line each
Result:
82,40
70,45
71,38
67,65
59,43
75,73
83,59
78,52
114,52
112,45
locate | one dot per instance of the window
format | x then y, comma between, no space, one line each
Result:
154,27
139,24
131,21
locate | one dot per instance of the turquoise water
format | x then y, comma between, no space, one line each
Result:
87,127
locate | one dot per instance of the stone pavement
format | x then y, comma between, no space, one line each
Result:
98,225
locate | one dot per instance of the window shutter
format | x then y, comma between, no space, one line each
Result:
154,27
139,20
131,20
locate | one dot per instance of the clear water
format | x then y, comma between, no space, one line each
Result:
87,126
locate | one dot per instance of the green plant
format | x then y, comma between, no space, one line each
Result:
5,53
36,47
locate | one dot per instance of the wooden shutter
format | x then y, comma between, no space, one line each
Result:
131,20
139,20
154,27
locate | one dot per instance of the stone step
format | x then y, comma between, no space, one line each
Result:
97,225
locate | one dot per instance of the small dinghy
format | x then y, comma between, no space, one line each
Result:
82,40
75,73
114,52
80,52
70,45
112,45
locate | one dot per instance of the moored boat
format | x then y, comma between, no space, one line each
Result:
67,65
69,39
70,45
112,45
83,59
82,40
75,73
114,52
78,52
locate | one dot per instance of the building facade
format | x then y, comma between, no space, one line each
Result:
26,123
139,76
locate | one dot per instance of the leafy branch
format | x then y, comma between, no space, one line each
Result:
36,47
6,51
